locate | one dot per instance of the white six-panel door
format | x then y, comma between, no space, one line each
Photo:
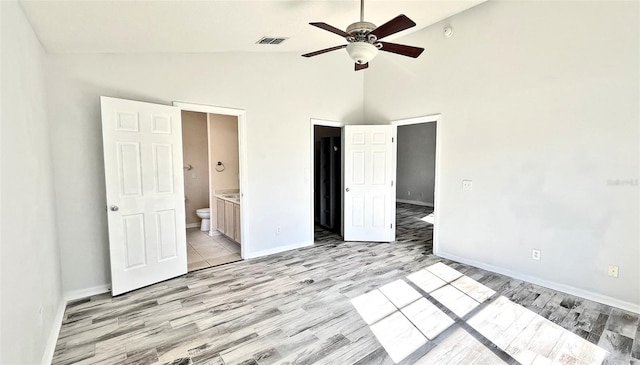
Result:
369,191
145,192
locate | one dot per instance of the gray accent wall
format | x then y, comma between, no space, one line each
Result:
416,163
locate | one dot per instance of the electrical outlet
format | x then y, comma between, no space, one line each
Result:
535,254
613,271
408,193
467,185
278,230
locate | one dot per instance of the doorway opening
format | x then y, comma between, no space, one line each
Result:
327,180
408,218
212,178
416,171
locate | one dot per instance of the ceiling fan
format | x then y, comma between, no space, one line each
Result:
364,39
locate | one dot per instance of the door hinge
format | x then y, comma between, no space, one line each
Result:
392,139
391,182
391,226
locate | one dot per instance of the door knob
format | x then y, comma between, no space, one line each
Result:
114,208
347,190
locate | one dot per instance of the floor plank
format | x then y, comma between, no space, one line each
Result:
296,308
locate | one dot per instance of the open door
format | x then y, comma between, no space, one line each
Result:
369,174
145,192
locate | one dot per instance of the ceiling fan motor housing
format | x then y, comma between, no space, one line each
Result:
360,30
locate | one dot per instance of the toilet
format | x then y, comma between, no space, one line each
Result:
205,215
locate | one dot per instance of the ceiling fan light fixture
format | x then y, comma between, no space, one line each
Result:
362,52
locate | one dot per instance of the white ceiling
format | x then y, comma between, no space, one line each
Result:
89,26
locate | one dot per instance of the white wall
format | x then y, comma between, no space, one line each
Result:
31,303
416,164
540,108
280,93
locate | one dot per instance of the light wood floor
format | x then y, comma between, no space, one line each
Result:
299,307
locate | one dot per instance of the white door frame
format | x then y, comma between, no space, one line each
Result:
242,151
436,189
326,123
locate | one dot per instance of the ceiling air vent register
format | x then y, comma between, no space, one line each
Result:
271,40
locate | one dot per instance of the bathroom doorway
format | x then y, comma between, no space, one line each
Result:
416,178
327,180
195,154
211,157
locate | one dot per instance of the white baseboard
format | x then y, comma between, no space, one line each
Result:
596,297
271,251
415,202
52,340
83,293
193,225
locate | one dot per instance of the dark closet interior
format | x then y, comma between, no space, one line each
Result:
327,177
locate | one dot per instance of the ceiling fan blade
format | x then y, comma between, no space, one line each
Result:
323,51
331,29
401,49
361,66
395,25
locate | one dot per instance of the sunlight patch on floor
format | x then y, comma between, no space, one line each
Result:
429,218
403,320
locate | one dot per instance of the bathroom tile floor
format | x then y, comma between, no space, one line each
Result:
204,251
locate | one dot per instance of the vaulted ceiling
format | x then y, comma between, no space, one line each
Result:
155,26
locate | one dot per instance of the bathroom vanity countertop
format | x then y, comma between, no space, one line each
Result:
230,197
